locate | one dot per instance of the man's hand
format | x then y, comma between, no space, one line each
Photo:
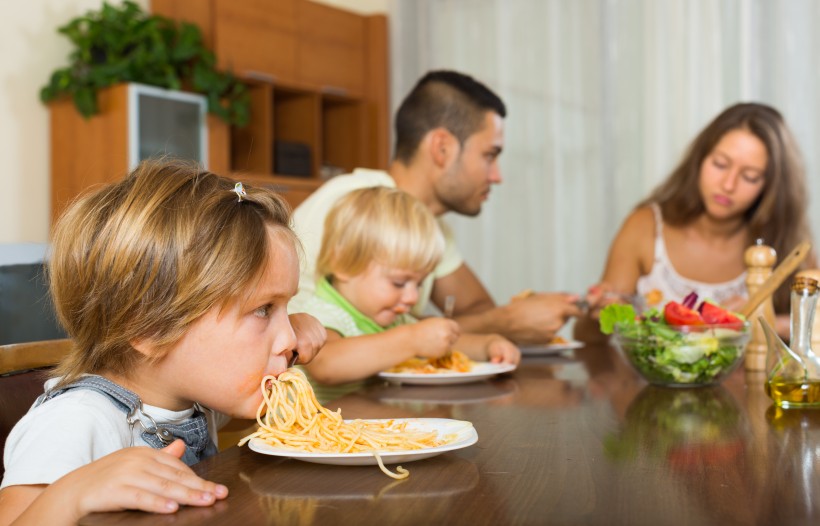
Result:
536,317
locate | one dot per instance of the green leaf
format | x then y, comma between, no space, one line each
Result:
122,43
616,314
85,100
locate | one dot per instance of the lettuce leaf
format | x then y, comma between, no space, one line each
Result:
616,314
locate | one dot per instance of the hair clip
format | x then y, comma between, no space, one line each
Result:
240,191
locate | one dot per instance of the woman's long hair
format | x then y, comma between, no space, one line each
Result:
778,216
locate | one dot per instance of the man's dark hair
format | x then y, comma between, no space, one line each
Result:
443,99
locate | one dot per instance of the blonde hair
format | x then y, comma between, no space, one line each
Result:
379,224
143,258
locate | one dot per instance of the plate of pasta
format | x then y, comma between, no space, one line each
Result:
293,424
453,434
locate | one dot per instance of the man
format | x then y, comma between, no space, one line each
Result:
449,134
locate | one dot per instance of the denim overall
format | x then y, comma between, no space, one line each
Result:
193,431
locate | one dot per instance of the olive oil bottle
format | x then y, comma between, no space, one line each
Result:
794,394
794,370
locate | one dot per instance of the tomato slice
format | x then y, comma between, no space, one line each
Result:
676,314
712,314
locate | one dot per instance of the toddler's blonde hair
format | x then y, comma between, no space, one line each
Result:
380,224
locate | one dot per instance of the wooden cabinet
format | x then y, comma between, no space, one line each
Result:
318,78
254,36
88,152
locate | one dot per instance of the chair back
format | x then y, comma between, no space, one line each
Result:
23,370
26,307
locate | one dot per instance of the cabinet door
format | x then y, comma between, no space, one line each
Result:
252,146
256,37
87,152
331,49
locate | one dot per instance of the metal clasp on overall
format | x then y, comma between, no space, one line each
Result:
133,418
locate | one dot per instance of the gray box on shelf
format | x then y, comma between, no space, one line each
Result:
291,158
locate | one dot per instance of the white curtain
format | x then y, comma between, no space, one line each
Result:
603,96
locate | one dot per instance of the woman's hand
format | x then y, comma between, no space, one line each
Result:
599,296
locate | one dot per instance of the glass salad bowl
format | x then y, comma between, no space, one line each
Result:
682,355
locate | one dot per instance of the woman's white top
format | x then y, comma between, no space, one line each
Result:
664,279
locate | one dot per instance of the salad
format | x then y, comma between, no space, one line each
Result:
681,344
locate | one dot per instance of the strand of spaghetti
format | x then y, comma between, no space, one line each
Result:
401,473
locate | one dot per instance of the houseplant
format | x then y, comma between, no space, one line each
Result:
124,44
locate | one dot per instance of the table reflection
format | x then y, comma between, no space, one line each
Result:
685,428
411,396
354,491
794,447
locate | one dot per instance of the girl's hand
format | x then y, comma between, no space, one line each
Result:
137,478
310,336
433,337
501,350
134,478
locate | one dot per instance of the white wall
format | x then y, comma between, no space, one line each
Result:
32,49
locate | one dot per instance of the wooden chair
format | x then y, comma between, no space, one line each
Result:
23,370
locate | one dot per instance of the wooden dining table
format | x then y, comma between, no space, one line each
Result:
575,437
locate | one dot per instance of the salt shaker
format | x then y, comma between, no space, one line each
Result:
760,260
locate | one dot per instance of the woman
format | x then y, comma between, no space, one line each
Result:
741,180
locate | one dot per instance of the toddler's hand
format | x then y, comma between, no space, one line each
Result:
310,336
432,337
501,350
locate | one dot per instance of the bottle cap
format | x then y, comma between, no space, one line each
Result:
804,284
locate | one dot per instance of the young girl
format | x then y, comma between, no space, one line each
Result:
173,285
378,245
741,180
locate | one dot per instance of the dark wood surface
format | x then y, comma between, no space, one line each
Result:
571,439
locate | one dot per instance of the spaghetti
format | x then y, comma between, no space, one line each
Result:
290,417
455,361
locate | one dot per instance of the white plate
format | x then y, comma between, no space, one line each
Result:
552,348
466,436
481,371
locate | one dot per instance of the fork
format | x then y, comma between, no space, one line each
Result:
449,306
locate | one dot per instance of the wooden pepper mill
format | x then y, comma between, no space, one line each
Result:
760,260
